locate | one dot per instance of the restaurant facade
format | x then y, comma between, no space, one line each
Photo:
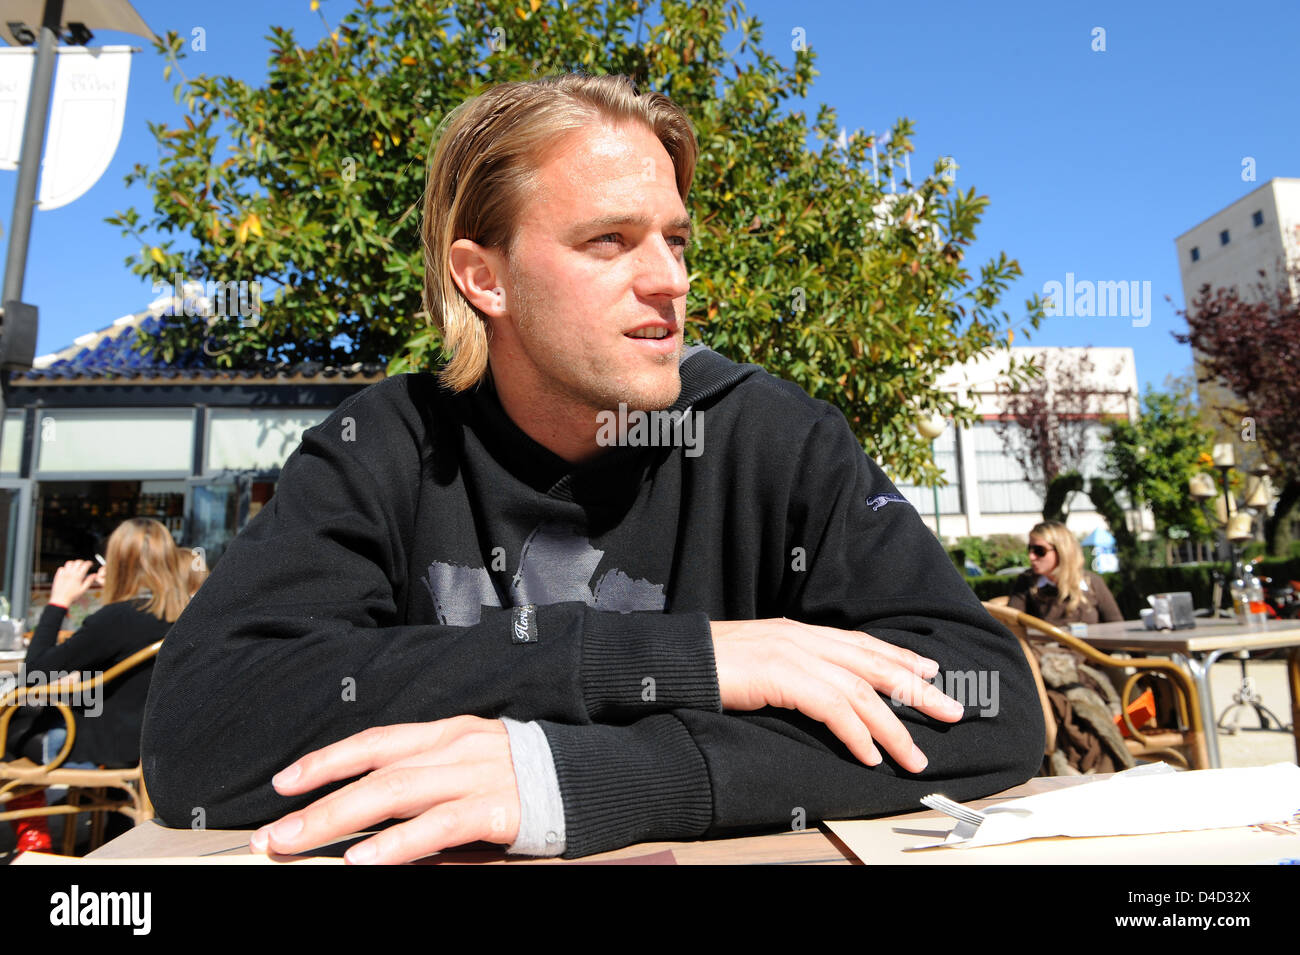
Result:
96,434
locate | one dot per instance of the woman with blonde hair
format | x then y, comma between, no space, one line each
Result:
144,592
1056,587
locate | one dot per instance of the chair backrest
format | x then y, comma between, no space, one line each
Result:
48,694
1022,624
1013,619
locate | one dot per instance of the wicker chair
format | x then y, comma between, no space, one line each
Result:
97,791
1184,744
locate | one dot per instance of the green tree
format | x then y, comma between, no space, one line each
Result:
1154,457
803,264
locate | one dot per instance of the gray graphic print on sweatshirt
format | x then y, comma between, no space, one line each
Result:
557,564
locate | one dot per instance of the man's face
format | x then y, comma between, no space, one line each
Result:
598,262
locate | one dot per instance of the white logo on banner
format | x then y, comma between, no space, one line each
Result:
15,83
89,103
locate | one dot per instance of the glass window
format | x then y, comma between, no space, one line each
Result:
1002,486
125,440
948,461
220,508
244,439
11,443
1223,237
1196,254
1257,218
10,500
74,520
1000,482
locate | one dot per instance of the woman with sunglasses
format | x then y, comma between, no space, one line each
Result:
1056,587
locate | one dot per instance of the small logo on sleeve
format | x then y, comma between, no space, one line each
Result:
523,624
877,501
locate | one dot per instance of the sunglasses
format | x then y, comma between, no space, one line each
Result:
1038,550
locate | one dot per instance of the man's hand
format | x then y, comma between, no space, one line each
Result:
831,675
453,779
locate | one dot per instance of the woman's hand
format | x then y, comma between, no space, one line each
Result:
71,581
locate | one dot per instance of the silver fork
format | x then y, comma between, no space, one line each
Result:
955,809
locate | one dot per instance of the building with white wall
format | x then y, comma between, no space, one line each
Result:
987,492
1261,230
1258,232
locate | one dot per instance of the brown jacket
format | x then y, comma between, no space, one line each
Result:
1098,606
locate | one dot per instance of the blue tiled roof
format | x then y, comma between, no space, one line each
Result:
113,357
118,353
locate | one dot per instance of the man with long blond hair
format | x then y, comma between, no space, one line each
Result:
532,599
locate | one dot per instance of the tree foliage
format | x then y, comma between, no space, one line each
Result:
1249,344
803,263
1154,458
1107,503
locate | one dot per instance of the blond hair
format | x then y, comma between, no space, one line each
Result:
1069,564
483,163
193,567
141,555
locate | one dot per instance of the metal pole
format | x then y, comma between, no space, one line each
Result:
29,164
934,456
1228,546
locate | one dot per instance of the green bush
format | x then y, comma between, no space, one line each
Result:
1254,550
991,585
1281,569
992,553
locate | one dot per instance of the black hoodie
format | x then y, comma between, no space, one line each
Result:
423,558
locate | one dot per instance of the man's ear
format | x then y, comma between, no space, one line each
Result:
478,272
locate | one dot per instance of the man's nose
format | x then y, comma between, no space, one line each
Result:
662,271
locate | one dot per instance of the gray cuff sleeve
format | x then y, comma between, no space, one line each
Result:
541,808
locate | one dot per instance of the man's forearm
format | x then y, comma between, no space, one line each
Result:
715,774
690,773
243,694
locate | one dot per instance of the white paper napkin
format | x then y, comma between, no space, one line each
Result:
1150,798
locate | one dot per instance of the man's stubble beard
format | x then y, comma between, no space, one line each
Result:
595,391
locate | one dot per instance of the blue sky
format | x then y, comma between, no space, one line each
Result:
1093,161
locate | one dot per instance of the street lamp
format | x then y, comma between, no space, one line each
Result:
1237,527
930,428
1259,495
